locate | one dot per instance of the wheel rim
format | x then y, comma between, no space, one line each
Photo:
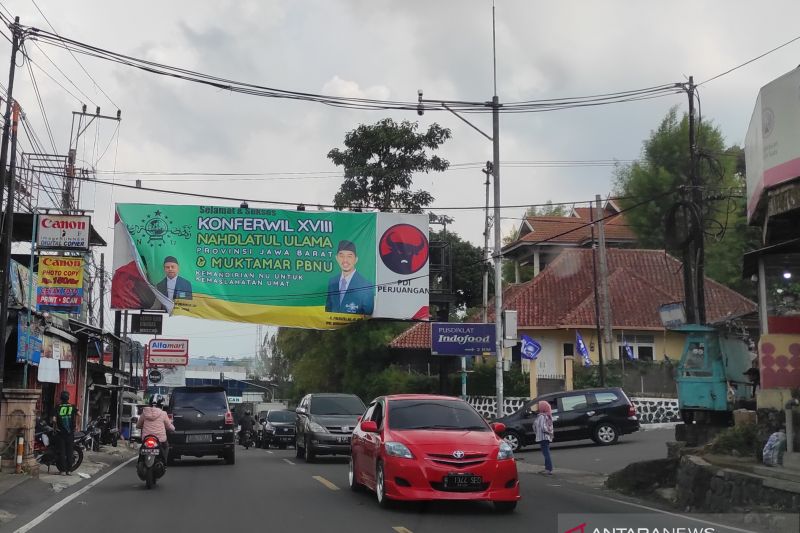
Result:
379,484
606,434
512,440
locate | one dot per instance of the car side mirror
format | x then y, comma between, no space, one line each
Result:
498,427
369,426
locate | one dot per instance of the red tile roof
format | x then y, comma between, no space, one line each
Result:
573,229
562,296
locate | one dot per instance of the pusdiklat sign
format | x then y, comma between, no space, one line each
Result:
63,232
59,284
308,269
462,339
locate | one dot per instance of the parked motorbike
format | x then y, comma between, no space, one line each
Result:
101,433
44,451
152,463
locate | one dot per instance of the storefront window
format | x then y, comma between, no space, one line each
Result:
783,291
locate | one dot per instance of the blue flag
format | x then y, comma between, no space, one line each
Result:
628,349
530,348
587,361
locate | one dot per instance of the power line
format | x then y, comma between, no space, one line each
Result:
74,57
89,98
787,43
293,204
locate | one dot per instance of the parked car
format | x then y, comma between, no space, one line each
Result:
279,428
203,424
325,423
424,447
602,415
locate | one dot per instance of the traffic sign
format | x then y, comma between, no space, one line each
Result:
148,324
173,352
154,376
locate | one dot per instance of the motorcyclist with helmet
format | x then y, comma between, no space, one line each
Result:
154,421
247,423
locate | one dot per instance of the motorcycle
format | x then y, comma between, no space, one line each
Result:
43,450
101,433
246,438
151,465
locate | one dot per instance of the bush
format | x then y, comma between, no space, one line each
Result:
742,440
483,381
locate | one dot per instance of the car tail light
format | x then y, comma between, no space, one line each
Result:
228,419
631,410
150,442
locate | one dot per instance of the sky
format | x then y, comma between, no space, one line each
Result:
383,50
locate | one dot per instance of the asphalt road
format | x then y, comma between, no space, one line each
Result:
272,491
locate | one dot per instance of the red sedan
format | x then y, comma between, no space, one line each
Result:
424,447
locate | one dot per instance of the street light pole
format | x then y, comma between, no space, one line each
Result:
498,267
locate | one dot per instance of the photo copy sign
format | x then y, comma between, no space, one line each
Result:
173,352
462,339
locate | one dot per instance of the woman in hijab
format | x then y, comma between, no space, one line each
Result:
544,434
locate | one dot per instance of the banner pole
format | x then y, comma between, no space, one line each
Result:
29,305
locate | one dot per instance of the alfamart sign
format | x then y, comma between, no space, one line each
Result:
311,269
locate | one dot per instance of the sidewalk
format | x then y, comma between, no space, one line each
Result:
21,491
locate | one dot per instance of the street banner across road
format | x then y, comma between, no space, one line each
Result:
60,284
307,269
461,339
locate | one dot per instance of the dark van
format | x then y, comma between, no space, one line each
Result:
203,423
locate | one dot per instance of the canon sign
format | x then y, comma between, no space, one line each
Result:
63,232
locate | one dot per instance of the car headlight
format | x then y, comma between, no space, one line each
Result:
268,427
398,449
316,428
506,452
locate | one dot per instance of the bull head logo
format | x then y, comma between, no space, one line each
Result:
404,249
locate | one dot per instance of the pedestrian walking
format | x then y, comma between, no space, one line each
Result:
66,414
544,434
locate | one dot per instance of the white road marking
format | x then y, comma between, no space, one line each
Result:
288,461
401,529
49,512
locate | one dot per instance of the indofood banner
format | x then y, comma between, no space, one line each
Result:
308,269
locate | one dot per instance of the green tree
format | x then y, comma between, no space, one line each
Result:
664,168
379,163
467,269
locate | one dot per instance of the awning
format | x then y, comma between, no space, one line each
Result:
61,333
751,258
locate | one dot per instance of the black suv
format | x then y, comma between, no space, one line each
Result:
279,426
325,424
598,414
203,423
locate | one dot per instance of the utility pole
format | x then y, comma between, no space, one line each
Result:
606,298
9,214
597,303
485,266
102,290
697,245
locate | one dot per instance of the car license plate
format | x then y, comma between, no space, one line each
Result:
202,437
344,439
461,481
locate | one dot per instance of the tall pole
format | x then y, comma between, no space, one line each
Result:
488,172
498,238
7,226
606,298
697,245
102,290
597,304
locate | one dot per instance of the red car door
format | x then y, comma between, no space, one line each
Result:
373,443
358,440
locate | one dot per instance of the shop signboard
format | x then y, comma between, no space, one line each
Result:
169,352
60,284
462,339
63,232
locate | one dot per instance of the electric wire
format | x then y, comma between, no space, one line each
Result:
737,67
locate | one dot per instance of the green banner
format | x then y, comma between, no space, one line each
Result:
246,264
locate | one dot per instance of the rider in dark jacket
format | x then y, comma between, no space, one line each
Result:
247,424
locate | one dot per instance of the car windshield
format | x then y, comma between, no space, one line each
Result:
337,405
280,416
435,415
200,401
